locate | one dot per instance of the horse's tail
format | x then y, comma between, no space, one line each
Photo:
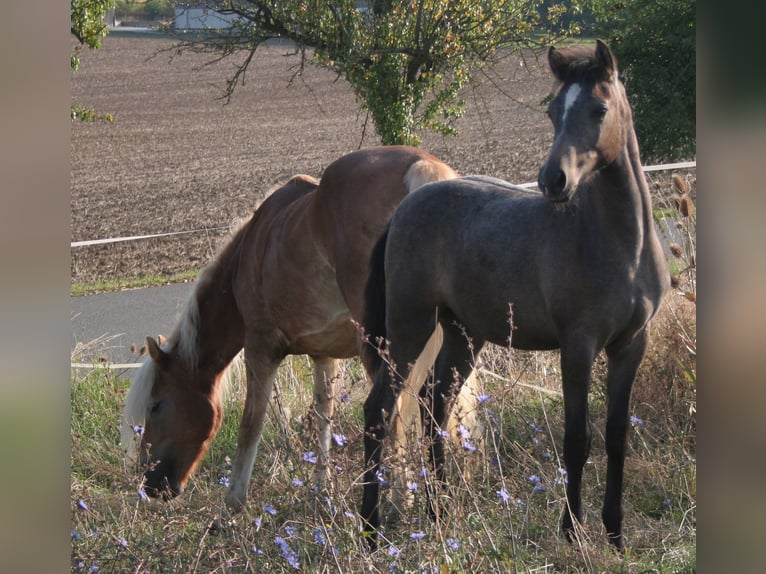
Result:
374,316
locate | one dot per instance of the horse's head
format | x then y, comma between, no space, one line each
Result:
182,414
589,113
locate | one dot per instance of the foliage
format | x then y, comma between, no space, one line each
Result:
88,25
655,43
149,10
88,114
405,61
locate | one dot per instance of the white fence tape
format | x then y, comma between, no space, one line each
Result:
114,366
660,167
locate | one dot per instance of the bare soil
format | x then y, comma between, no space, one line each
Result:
177,158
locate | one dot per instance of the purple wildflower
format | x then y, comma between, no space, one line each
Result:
463,432
349,515
503,494
76,535
138,430
393,551
297,481
257,523
412,486
418,535
288,553
270,509
468,446
224,481
453,544
319,537
81,504
636,421
381,477
534,479
290,531
310,457
142,494
256,550
423,472
535,428
538,488
340,439
483,398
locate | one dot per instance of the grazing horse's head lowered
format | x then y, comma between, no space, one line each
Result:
588,115
168,456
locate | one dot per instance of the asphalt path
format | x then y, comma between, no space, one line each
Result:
105,325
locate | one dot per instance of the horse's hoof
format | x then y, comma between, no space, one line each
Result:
371,536
235,504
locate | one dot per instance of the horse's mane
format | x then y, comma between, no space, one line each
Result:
582,65
134,411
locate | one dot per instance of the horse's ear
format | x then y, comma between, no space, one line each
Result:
606,59
156,353
558,63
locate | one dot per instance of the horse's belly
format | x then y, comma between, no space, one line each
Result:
337,339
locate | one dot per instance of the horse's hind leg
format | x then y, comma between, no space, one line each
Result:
260,381
325,376
453,366
621,371
407,341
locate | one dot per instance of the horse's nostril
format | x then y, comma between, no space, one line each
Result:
561,180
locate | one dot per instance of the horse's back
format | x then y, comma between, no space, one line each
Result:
354,202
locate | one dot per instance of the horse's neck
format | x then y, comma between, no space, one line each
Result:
216,332
626,200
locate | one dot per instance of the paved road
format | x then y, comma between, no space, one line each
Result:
109,323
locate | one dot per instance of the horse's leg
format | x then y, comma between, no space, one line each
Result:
378,408
261,368
622,366
453,366
325,375
576,362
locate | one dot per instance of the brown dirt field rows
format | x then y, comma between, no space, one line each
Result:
176,158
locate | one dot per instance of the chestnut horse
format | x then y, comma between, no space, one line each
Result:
578,268
290,281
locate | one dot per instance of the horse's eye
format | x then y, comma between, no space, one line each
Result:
600,111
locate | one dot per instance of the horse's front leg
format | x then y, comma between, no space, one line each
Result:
260,368
576,363
325,376
377,414
621,371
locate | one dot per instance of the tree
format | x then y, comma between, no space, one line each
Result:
405,60
88,25
655,42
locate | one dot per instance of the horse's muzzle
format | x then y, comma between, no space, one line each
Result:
160,481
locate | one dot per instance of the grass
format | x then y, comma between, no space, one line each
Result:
79,289
502,508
